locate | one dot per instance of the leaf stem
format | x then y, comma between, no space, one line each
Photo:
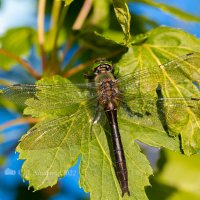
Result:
41,14
22,62
82,15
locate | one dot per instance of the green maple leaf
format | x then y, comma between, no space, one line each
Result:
16,45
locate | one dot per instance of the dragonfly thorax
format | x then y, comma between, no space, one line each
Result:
108,92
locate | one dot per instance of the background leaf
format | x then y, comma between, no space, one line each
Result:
100,14
13,41
169,182
123,17
101,42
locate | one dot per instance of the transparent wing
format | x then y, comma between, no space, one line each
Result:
170,113
68,93
176,101
63,131
168,75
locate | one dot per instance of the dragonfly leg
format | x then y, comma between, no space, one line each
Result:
95,119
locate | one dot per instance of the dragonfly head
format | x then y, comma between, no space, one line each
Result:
101,65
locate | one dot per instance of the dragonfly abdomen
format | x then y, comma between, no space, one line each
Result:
120,161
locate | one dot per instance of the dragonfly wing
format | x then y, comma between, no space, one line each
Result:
63,131
170,76
142,111
19,93
180,111
67,92
170,113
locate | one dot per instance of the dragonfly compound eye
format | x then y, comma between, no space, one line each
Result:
97,71
108,68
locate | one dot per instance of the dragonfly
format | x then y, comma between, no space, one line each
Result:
150,96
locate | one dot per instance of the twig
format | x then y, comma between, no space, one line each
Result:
41,15
22,62
82,15
17,121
